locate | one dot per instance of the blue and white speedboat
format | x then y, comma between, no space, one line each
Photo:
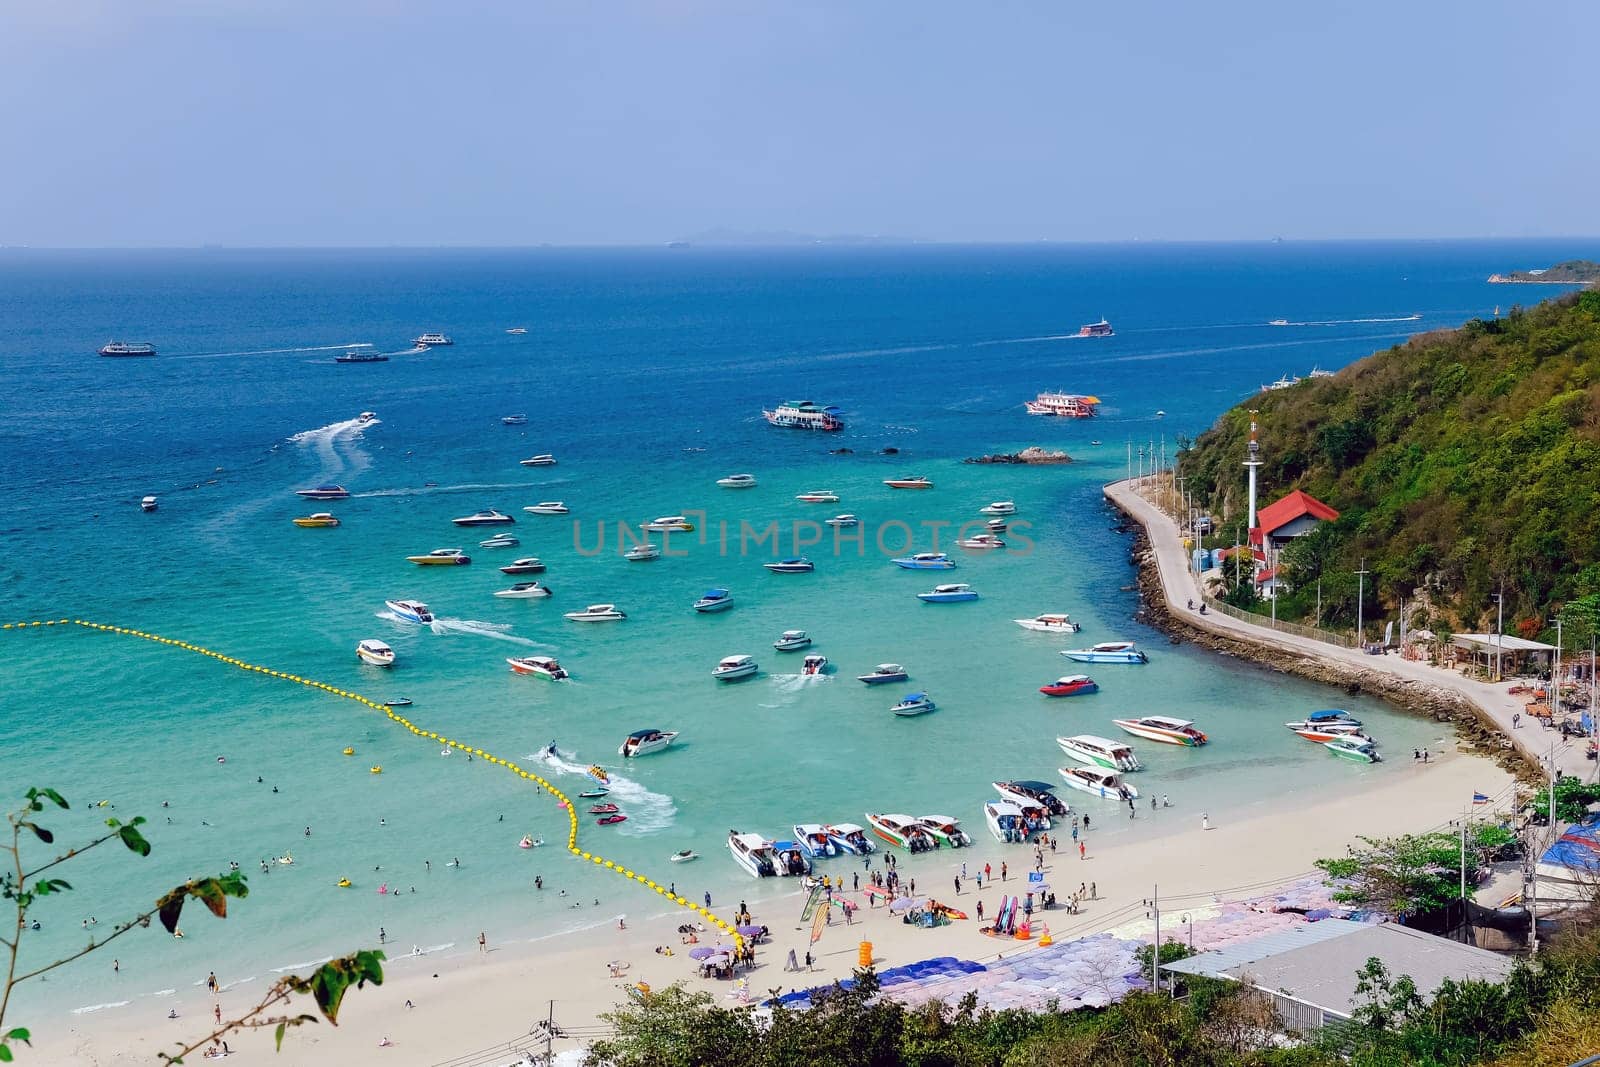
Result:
814,839
791,858
1107,652
949,594
410,610
926,561
848,837
914,704
714,600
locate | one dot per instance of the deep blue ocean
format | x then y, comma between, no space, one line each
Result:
644,371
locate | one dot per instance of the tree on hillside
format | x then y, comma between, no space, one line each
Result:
1408,875
27,886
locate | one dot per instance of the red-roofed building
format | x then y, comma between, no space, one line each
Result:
1291,516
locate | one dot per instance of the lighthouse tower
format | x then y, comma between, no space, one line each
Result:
1252,461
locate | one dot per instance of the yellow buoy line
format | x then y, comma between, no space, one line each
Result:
572,811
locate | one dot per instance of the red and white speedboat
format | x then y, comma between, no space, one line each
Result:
1163,728
544,666
915,482
1323,734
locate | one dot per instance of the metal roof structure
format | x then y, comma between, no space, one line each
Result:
1506,642
1316,963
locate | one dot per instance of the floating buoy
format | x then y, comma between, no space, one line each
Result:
377,770
344,883
348,751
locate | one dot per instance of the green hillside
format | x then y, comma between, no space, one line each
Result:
1458,459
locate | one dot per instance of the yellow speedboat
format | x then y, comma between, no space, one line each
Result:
441,557
321,518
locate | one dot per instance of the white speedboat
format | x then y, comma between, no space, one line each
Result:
1102,751
642,553
500,541
914,704
793,565
684,856
548,507
441,557
367,416
410,610
814,839
543,459
668,522
1163,728
517,330
792,641
524,591
1099,782
883,673
948,594
914,482
737,481
1050,622
489,517
543,666
925,561
514,420
1006,821
732,668
814,664
376,653
525,565
791,858
148,504
818,496
644,742
754,853
1331,720
1107,652
848,837
997,526
945,830
845,521
999,507
597,613
902,830
980,542
1027,794
714,600
324,492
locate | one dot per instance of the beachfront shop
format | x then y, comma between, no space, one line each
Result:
1512,655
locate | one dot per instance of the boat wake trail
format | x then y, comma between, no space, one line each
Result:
1345,322
647,812
276,351
337,446
498,631
470,487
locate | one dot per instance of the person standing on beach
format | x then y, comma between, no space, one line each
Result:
1002,870
1081,850
1205,821
958,885
708,898
980,911
483,942
211,982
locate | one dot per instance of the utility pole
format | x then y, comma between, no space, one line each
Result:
1361,597
550,1035
1155,956
1499,627
1319,601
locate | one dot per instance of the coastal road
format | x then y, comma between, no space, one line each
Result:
1180,585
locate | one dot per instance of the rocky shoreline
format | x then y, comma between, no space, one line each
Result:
1032,456
1473,732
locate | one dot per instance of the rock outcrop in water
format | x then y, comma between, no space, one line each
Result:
1032,456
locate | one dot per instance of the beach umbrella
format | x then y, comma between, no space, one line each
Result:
907,903
700,952
750,931
717,960
1038,887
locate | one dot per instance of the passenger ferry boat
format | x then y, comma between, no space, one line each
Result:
432,340
127,348
1096,329
804,415
1065,405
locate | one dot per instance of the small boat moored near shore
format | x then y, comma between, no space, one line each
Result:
442,557
883,673
999,507
1050,622
1027,793
1163,728
793,565
644,742
597,613
948,594
848,837
945,830
489,517
914,704
524,591
1101,751
1070,686
1006,821
1358,751
902,830
913,482
925,561
500,541
814,839
642,553
1107,652
714,600
1098,781
792,641
525,565
754,853
732,668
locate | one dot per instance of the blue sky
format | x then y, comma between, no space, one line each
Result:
355,122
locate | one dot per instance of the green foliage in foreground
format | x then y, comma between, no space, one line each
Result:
1408,875
1543,1011
1573,798
26,886
1456,459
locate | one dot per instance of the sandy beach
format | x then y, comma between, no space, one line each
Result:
465,1002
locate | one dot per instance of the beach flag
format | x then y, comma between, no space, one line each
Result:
1479,798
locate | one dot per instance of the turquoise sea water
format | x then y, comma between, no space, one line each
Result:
644,372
